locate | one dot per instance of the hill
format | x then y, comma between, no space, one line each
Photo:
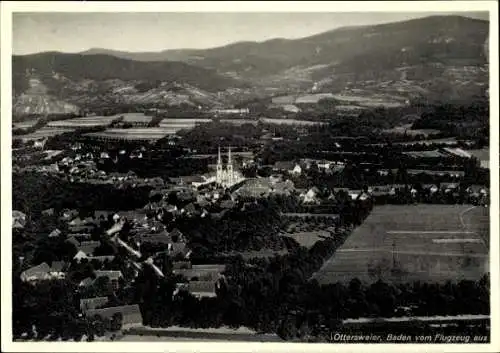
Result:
437,38
53,82
421,50
439,58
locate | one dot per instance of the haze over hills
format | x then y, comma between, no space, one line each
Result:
442,57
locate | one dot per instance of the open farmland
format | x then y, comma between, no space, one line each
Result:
135,118
402,130
239,122
91,121
290,122
417,242
483,155
370,100
44,132
426,154
139,134
24,124
175,125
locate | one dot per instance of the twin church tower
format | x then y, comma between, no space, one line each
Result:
225,177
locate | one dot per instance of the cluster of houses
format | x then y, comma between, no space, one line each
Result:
304,165
198,280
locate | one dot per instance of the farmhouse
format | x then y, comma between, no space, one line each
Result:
92,303
43,272
55,233
131,314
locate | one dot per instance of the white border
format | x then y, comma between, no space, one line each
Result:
219,6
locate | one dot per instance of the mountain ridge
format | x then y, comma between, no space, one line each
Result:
441,57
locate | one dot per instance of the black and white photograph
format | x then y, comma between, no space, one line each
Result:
322,177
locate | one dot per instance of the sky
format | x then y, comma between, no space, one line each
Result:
143,32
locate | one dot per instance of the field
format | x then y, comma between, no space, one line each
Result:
483,155
419,242
426,154
369,100
410,132
290,122
239,122
24,124
147,134
135,118
91,121
42,133
175,125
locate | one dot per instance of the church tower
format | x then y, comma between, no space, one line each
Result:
219,169
230,171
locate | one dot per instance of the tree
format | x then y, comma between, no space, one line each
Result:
287,329
116,321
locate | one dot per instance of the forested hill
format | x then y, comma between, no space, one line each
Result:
101,67
442,39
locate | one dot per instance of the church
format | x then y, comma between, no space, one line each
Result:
226,177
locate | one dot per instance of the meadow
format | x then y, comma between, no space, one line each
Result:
42,133
91,121
154,133
430,243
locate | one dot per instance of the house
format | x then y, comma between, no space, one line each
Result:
86,282
130,314
432,188
58,266
219,215
55,233
177,249
48,212
102,259
449,187
43,272
311,196
38,272
73,240
17,224
199,289
161,238
200,198
181,265
68,215
176,235
80,255
227,204
284,166
81,236
201,272
477,190
18,219
297,170
92,303
189,209
355,194
134,216
112,275
88,247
